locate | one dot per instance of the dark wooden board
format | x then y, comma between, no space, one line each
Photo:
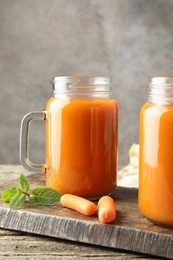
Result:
130,231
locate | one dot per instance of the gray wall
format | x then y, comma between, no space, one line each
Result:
129,40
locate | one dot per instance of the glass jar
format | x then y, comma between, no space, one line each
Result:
81,137
156,152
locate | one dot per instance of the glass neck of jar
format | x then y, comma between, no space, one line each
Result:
82,87
160,90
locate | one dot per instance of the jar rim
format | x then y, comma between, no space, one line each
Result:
160,90
161,81
81,80
81,86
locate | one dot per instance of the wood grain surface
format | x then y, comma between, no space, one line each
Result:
131,230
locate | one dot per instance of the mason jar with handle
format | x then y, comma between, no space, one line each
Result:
81,137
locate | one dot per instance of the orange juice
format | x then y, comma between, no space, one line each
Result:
156,154
81,145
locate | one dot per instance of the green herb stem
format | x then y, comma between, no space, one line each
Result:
26,193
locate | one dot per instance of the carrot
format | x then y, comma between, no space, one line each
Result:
106,209
79,204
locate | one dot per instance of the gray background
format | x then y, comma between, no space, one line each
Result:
129,40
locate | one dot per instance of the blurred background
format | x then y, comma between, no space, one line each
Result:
129,40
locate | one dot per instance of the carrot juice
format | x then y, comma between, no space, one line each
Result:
156,153
81,137
81,146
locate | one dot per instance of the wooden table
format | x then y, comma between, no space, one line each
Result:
20,245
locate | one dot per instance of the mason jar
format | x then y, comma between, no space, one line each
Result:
81,121
156,152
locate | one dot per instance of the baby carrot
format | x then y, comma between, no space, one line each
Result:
106,209
79,204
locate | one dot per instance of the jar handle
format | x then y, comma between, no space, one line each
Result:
24,140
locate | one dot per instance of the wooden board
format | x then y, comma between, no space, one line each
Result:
131,230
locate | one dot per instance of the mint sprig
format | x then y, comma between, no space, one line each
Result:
40,196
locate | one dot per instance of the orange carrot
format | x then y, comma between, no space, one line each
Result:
106,209
79,204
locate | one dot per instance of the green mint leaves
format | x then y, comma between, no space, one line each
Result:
40,196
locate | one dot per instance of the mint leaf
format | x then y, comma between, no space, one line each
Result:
7,195
17,200
39,196
24,182
44,196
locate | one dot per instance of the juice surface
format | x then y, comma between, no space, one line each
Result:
156,162
81,146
